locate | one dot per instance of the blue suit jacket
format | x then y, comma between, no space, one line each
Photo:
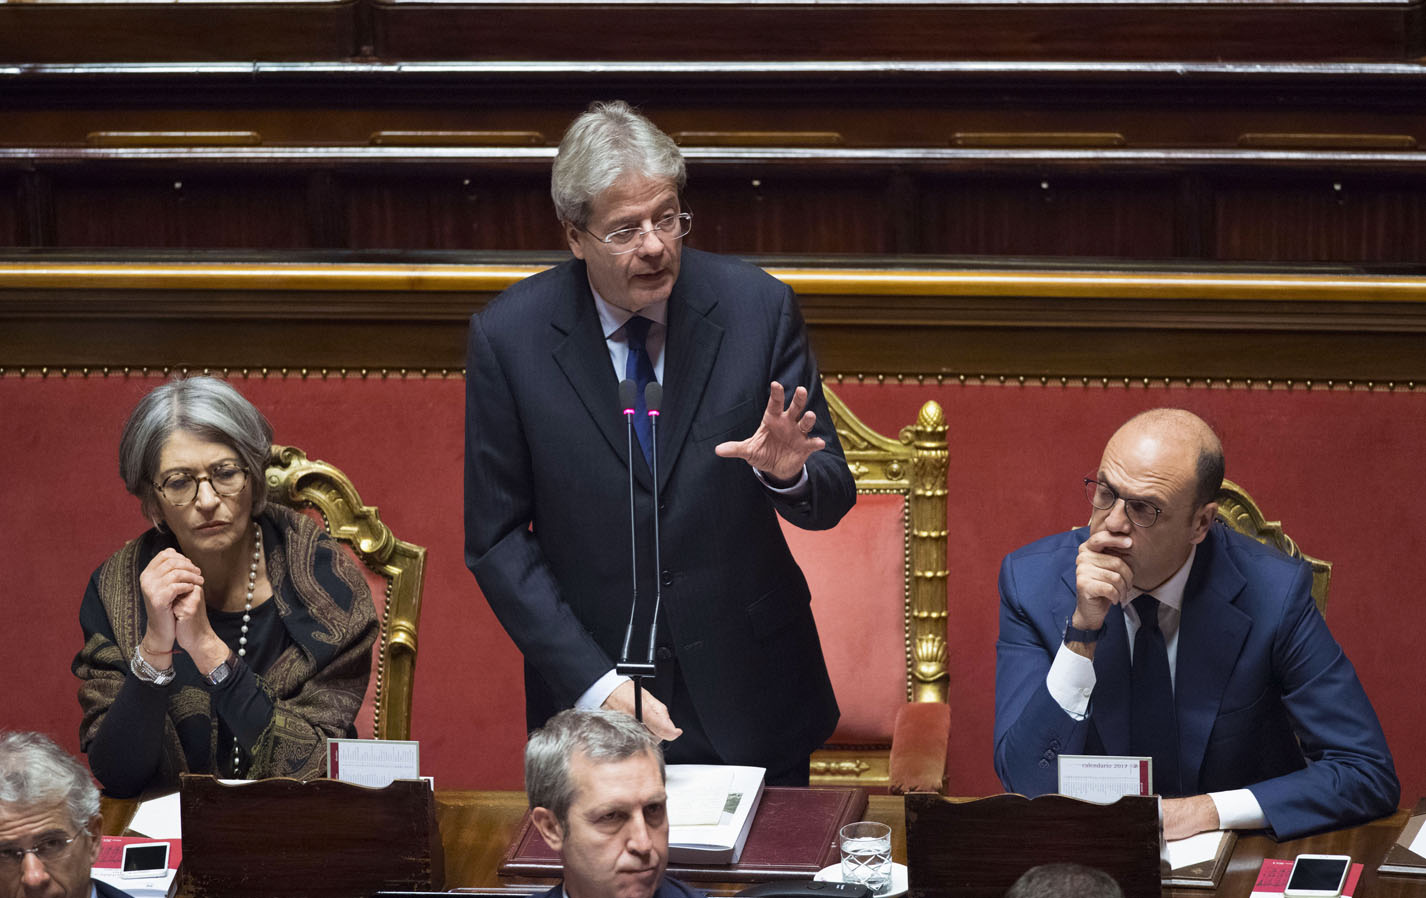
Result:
1266,699
547,502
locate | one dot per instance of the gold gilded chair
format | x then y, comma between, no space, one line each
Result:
394,569
1239,511
879,594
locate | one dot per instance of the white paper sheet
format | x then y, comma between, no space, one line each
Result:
158,818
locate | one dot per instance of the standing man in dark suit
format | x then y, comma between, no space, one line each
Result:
741,678
1156,631
50,826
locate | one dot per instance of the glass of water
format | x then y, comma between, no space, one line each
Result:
866,855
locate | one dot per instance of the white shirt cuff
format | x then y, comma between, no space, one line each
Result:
1238,809
593,697
799,487
1071,682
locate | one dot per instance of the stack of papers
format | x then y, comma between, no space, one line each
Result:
710,810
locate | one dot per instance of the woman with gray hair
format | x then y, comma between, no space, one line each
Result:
235,636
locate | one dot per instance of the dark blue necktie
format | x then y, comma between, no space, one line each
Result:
640,369
1153,725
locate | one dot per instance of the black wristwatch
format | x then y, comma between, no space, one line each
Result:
1073,634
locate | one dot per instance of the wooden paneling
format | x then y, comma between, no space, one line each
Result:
455,210
1202,161
1226,205
753,210
183,208
1130,216
419,29
11,233
45,31
1335,215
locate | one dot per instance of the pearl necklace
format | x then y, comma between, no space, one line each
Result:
247,616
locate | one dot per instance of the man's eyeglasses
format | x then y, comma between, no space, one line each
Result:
1103,496
50,848
626,240
181,488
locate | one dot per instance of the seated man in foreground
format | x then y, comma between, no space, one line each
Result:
49,821
595,780
1154,632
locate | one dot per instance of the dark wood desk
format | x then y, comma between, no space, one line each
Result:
477,827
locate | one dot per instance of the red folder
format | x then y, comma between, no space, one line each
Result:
794,835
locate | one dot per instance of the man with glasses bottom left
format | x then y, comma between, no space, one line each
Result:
49,822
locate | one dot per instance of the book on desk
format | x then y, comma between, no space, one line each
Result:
1400,858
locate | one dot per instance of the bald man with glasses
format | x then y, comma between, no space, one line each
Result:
1156,631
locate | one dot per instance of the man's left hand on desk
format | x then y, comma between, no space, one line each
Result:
1184,817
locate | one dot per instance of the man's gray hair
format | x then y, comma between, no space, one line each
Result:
205,407
609,140
1065,881
602,736
35,771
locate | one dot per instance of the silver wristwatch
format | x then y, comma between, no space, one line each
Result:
223,671
147,672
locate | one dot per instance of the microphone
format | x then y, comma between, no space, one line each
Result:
628,399
653,401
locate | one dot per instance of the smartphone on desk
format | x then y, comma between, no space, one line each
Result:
1317,876
144,859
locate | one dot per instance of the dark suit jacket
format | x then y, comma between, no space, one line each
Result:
547,502
668,888
107,891
1266,699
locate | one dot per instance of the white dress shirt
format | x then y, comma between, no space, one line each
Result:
612,320
1071,683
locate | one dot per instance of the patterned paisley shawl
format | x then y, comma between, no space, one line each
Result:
316,684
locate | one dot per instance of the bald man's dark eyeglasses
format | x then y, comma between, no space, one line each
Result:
1103,496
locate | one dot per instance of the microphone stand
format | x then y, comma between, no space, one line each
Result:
634,671
653,401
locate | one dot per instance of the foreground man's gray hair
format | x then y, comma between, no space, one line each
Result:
35,771
1065,881
609,140
601,736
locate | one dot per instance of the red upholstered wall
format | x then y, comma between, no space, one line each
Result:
1341,467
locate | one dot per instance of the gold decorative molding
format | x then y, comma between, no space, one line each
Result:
1095,382
492,278
1238,510
44,371
299,482
851,767
913,466
1100,382
866,766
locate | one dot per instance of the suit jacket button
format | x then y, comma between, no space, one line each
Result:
666,578
1054,745
664,653
1044,763
1049,754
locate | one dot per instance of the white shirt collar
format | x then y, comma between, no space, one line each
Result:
611,317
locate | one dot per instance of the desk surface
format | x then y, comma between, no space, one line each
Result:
477,827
